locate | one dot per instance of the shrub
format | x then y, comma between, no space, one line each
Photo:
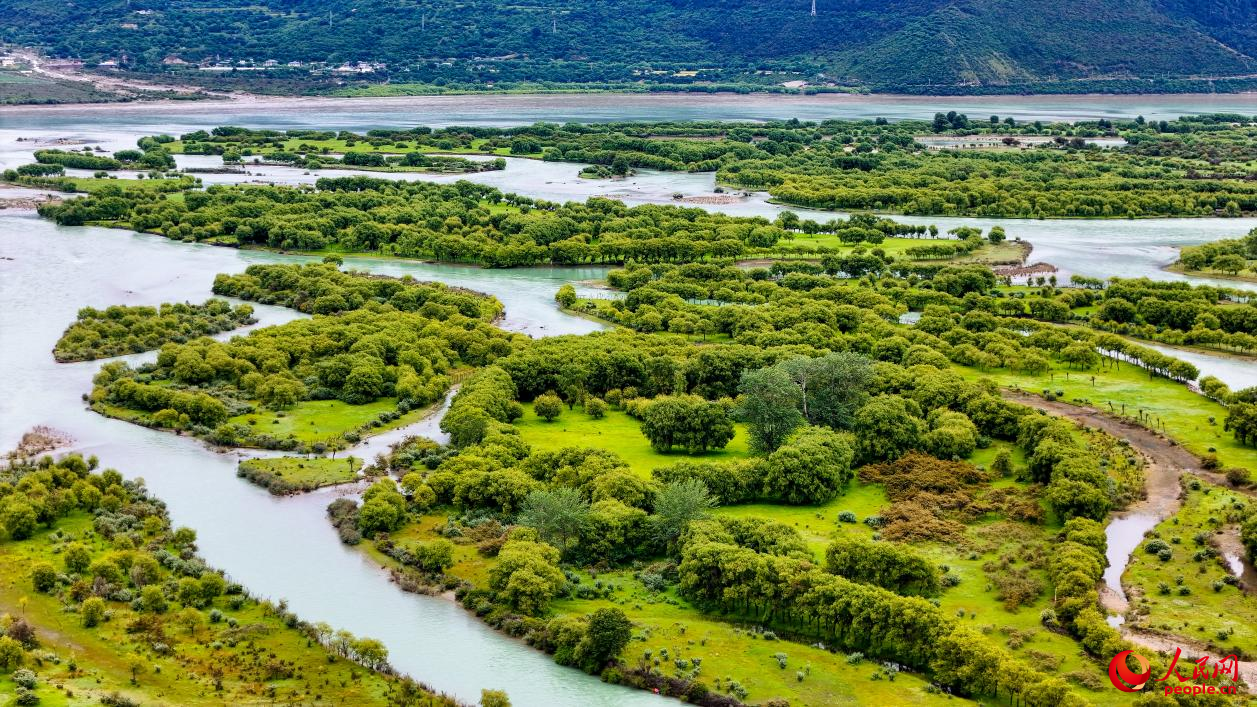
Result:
44,577
93,610
1238,477
548,406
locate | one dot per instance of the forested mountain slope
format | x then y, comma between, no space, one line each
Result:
878,43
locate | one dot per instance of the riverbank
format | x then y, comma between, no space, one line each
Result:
1166,465
126,636
1177,267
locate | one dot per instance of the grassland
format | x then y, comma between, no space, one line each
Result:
1129,391
737,648
330,422
320,420
285,475
1186,595
248,656
1249,275
617,432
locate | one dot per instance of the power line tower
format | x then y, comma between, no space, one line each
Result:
813,8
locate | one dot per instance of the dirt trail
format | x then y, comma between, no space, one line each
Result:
115,84
1165,462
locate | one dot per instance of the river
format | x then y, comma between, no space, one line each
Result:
283,547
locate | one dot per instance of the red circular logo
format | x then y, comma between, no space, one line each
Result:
1122,677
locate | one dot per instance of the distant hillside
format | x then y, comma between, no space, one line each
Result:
879,44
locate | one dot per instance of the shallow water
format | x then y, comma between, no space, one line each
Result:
361,114
278,547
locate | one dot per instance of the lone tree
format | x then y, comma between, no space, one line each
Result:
548,406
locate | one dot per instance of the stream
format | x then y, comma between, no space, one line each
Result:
283,547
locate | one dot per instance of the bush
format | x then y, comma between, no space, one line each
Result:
548,407
1238,477
44,577
93,610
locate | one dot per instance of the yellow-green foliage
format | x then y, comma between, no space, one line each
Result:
130,610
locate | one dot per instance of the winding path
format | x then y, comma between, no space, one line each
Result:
1165,462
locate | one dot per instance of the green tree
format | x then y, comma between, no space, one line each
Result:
566,296
887,427
92,611
770,407
379,516
1230,264
18,518
677,505
527,576
153,599
609,632
558,514
687,421
548,407
833,386
1241,420
884,564
11,654
810,468
44,577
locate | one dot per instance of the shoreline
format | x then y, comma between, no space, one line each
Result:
1175,268
263,100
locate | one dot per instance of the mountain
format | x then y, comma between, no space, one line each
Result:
882,44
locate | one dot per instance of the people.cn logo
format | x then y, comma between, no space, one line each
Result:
1122,676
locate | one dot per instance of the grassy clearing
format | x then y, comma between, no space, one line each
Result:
617,432
332,422
80,665
1170,407
1204,610
670,629
987,541
284,475
324,420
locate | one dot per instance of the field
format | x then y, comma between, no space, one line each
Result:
617,432
324,420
